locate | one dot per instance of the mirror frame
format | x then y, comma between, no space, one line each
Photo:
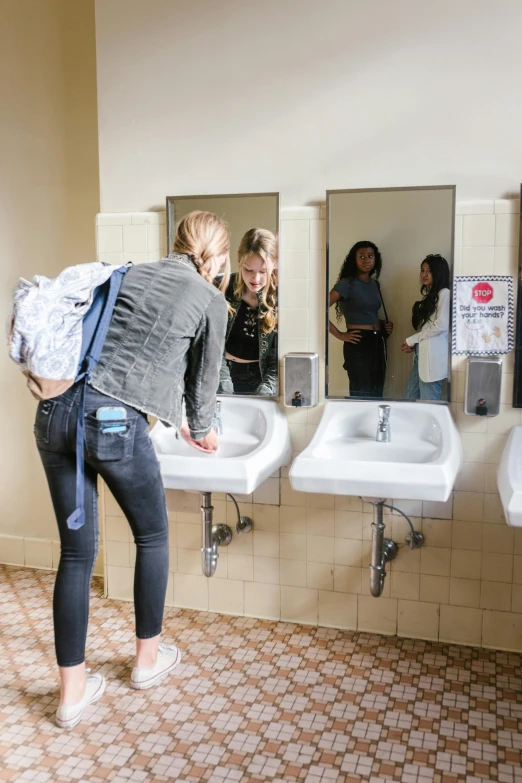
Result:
517,380
171,230
451,261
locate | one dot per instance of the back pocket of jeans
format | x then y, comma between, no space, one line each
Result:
109,446
42,422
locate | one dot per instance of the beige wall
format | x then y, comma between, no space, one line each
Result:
405,225
48,201
198,96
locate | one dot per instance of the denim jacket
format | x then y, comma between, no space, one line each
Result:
165,342
268,362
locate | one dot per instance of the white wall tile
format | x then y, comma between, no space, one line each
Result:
507,229
484,207
134,239
299,605
503,205
155,238
136,258
263,601
477,260
191,591
295,235
113,219
478,230
267,492
225,596
318,235
111,258
148,218
300,213
110,239
506,261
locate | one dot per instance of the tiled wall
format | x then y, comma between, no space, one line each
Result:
307,558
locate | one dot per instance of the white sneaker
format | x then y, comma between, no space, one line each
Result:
168,658
70,716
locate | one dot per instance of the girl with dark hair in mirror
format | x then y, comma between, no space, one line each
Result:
430,319
357,298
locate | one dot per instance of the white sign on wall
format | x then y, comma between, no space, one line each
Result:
483,315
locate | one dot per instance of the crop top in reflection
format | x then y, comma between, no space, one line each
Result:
243,340
360,301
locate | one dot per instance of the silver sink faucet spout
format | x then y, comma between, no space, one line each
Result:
383,428
216,422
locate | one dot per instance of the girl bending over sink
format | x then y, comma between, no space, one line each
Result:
165,339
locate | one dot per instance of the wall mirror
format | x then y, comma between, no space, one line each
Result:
250,363
517,384
389,283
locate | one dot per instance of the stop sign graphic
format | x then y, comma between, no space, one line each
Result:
482,292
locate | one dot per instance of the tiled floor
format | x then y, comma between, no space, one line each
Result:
254,701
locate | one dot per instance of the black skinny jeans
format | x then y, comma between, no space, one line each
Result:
245,376
365,363
130,468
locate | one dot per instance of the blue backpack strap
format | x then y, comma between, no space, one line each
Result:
77,518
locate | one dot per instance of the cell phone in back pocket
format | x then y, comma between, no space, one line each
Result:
110,418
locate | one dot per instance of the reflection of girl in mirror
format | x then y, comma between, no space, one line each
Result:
430,318
250,359
357,297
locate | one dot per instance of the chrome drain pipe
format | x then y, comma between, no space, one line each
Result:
383,550
211,536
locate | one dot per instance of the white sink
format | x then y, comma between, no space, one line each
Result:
254,443
509,478
421,461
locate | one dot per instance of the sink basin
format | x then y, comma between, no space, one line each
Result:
509,478
254,443
420,462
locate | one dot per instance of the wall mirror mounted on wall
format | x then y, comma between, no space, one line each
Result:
250,361
517,385
389,271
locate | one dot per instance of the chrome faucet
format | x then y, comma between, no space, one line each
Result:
216,421
383,428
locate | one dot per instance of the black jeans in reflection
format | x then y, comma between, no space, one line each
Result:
365,363
245,376
130,468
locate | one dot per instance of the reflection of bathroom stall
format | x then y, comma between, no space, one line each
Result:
406,225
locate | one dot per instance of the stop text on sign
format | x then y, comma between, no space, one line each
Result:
482,292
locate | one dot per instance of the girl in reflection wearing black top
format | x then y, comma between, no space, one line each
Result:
250,359
357,298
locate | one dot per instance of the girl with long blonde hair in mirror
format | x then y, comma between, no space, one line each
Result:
250,358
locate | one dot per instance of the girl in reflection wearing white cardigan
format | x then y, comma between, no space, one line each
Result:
430,319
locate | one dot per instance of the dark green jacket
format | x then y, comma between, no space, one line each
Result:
268,361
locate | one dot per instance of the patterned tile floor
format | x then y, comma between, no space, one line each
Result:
254,701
